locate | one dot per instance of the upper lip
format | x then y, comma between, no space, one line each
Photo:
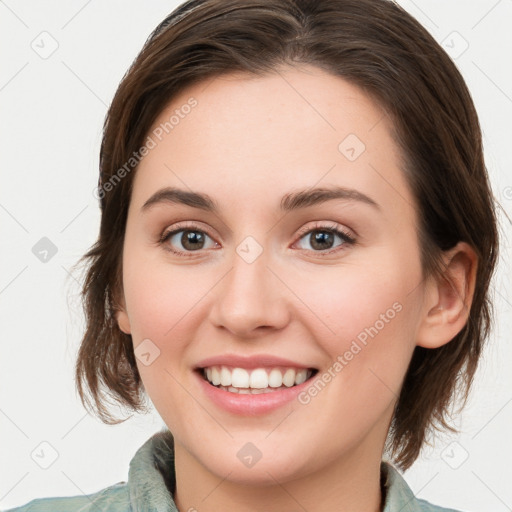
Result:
255,361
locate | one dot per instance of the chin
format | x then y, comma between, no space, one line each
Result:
262,474
262,463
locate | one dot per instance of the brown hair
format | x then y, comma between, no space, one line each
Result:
374,44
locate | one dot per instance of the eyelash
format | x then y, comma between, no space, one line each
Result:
332,228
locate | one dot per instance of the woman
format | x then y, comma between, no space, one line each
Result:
325,159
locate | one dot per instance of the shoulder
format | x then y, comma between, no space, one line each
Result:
115,498
399,495
426,506
150,478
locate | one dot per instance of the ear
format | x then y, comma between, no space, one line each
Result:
447,299
122,317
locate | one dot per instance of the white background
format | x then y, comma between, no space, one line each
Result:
52,112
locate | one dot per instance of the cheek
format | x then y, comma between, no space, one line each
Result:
166,304
366,319
163,306
360,300
160,297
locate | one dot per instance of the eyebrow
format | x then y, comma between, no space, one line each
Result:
291,201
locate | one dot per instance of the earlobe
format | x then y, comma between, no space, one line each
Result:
117,305
123,321
448,299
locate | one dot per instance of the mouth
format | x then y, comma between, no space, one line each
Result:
255,381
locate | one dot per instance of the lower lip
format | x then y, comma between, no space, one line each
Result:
247,404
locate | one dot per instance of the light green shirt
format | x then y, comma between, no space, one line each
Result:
151,483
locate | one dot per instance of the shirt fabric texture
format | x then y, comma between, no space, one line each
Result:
151,481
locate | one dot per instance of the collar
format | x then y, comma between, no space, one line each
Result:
151,479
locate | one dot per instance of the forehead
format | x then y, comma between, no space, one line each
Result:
246,139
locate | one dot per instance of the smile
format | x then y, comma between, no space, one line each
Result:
257,380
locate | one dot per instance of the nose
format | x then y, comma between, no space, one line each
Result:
251,300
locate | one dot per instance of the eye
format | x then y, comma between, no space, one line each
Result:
189,237
322,238
185,239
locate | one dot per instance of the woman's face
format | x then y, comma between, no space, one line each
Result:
263,282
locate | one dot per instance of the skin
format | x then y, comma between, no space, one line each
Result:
247,143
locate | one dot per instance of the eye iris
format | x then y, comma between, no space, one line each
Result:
322,237
192,237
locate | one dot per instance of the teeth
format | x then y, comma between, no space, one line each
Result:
215,378
289,378
240,378
301,376
249,391
275,378
259,380
225,376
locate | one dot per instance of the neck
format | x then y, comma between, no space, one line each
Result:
346,484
